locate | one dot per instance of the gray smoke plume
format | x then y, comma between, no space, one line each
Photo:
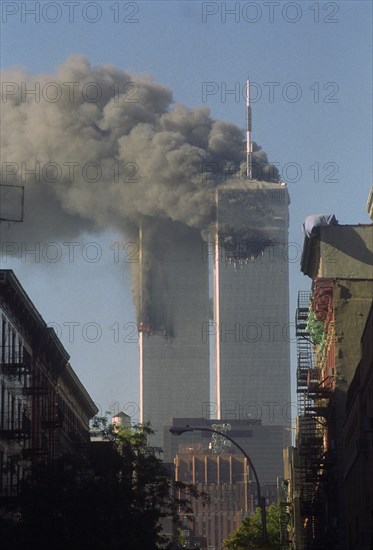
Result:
96,147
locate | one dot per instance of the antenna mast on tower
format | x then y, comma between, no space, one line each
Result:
249,147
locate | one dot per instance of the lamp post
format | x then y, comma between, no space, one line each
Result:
175,430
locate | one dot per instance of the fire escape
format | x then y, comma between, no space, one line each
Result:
15,423
15,416
47,417
29,413
314,390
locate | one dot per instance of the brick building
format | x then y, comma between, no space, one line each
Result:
330,470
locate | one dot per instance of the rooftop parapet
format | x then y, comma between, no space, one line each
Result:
339,252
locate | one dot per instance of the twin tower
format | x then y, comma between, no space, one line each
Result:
224,302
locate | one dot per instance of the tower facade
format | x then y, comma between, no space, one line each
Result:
174,305
251,303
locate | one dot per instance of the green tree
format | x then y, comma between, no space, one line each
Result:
249,535
115,501
315,329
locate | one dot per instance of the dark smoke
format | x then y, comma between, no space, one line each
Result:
157,160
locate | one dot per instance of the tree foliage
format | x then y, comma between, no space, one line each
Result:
249,535
115,501
315,329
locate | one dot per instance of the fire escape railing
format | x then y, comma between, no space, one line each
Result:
313,395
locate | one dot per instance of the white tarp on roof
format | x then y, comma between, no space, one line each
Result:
312,224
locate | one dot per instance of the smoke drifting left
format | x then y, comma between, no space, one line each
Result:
98,148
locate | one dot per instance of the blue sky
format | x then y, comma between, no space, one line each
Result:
316,57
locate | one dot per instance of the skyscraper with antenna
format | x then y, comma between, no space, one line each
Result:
251,297
251,309
249,147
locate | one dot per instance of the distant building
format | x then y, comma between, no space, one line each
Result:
174,307
263,444
225,480
121,421
251,303
44,408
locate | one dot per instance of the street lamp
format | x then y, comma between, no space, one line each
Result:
175,430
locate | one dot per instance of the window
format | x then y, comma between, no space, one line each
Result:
14,348
2,405
19,416
3,339
1,471
9,343
12,412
